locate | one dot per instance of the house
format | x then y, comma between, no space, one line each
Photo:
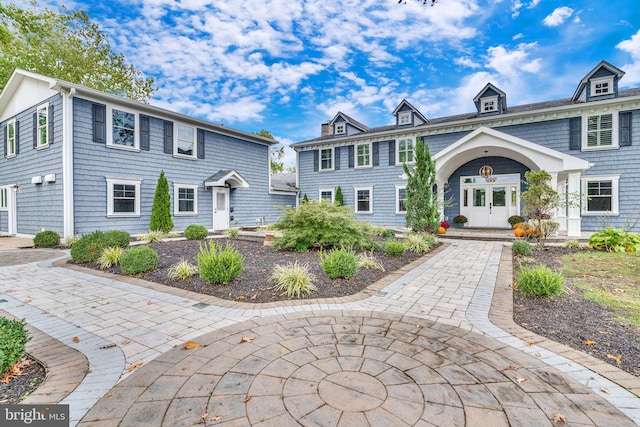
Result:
76,160
589,143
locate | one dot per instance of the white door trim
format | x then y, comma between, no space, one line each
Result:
220,213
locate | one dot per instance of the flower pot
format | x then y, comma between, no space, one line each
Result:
458,224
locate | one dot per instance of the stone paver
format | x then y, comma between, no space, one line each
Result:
417,350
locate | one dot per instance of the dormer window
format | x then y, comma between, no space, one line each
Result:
602,86
404,118
489,104
340,128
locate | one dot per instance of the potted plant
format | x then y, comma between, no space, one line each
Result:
515,219
459,221
444,225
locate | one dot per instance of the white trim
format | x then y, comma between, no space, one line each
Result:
413,149
176,132
136,128
340,128
614,129
67,162
39,108
176,199
404,115
355,198
369,154
593,83
113,181
326,190
333,158
615,196
398,188
486,100
15,141
4,199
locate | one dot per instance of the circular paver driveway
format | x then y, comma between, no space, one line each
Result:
348,369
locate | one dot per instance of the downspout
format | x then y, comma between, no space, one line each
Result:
67,161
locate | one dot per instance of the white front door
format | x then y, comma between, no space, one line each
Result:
490,204
8,204
220,208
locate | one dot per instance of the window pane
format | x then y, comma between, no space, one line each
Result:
326,196
499,196
186,140
124,198
325,159
363,201
186,198
221,201
402,200
123,128
478,197
599,204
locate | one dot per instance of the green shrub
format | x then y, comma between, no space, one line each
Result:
152,236
419,242
540,281
515,219
217,265
13,337
326,224
182,270
46,238
196,232
161,210
388,234
232,233
615,240
110,256
88,248
394,248
293,279
573,244
366,260
138,260
70,241
117,238
339,263
521,247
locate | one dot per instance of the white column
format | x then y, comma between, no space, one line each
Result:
440,185
561,217
574,222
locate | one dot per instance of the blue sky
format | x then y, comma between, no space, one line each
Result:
289,65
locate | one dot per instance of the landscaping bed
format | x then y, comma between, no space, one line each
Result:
254,284
575,321
18,388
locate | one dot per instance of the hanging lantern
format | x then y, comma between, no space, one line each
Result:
486,172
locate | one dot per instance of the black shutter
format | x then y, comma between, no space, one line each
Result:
16,134
351,162
336,154
99,119
392,153
168,137
145,133
625,129
50,131
376,153
201,143
35,130
5,139
575,133
316,158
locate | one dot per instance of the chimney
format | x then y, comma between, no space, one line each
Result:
325,129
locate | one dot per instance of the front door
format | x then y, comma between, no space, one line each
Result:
490,204
220,209
8,204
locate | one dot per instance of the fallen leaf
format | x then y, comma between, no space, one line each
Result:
538,354
110,394
175,335
27,301
530,343
216,418
246,399
149,302
191,345
520,380
134,366
240,298
620,291
617,358
604,390
246,339
512,368
107,346
589,342
418,326
202,418
75,339
125,342
254,296
559,418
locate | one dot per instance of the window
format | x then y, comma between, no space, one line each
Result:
602,86
405,151
185,144
340,128
404,118
326,159
11,138
600,195
401,200
4,199
489,104
185,199
123,132
326,195
42,118
363,155
123,197
600,132
364,202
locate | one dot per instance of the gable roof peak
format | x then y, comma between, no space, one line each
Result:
404,102
350,120
617,72
492,87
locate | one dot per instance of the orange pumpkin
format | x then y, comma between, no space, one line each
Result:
518,232
441,230
516,225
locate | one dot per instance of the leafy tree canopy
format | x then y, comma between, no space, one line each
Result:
277,154
67,46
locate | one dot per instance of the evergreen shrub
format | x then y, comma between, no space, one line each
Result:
138,259
46,238
196,232
218,265
339,263
13,338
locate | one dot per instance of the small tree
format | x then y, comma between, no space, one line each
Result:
305,199
422,201
161,211
339,198
540,202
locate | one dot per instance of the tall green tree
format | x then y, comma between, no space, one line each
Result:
338,198
67,46
161,211
422,202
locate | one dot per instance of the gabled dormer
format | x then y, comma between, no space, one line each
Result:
342,125
599,83
490,101
408,116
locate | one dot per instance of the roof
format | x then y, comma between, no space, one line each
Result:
223,178
350,120
414,109
602,64
284,182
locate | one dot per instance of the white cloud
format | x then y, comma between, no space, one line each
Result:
558,16
467,62
517,36
632,70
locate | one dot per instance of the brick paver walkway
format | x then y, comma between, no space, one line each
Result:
398,347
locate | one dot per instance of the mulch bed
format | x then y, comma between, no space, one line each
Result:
20,386
254,284
571,320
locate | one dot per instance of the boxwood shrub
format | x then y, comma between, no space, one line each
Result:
196,232
339,263
13,338
46,238
138,259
